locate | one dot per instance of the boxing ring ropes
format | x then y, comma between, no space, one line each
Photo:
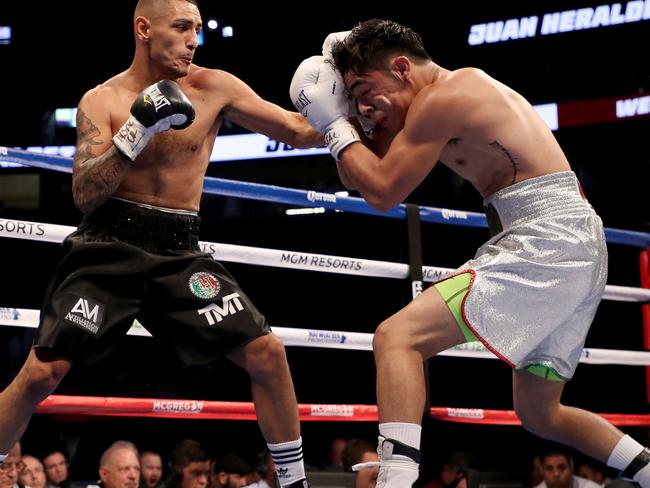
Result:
195,409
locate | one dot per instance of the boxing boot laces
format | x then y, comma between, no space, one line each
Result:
398,464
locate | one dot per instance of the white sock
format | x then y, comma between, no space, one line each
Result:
624,452
3,457
289,465
408,434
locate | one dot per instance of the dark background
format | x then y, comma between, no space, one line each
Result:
61,49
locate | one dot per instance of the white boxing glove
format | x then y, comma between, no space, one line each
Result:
330,40
317,91
367,124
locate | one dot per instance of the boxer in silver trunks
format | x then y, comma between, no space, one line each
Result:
548,253
532,290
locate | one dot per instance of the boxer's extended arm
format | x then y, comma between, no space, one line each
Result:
247,109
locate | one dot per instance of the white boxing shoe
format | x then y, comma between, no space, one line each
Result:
398,464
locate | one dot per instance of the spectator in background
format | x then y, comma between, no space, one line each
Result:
333,461
537,474
593,471
11,468
265,470
119,466
56,470
189,466
597,472
229,472
454,472
559,472
361,451
150,469
33,475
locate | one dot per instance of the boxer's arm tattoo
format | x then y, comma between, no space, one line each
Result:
510,157
95,177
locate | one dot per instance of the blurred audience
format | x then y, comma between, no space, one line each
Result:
33,475
151,469
559,472
229,471
189,466
537,474
11,468
119,466
454,472
265,471
56,469
333,461
601,474
361,451
594,471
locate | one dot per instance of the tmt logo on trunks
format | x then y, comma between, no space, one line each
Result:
231,304
204,285
86,314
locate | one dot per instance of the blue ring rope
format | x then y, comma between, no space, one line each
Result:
304,198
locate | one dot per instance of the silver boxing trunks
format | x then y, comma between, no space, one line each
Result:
533,288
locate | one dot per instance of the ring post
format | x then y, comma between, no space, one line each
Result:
644,267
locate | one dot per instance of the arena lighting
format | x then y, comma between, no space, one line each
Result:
65,117
548,112
315,196
227,31
559,22
304,211
212,24
5,34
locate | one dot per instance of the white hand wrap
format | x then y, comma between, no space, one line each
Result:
132,138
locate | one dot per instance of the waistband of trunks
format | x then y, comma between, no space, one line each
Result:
540,197
152,228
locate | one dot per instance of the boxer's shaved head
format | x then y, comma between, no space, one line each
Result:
154,8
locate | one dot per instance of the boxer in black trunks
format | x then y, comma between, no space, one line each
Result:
144,138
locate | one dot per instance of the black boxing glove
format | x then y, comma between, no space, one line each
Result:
157,108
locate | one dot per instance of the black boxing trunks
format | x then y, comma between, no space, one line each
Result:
128,261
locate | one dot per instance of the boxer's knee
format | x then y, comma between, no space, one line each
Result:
264,356
388,338
539,421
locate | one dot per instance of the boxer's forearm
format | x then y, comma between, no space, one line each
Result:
96,179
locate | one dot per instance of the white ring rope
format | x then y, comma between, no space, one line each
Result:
356,341
316,262
20,229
